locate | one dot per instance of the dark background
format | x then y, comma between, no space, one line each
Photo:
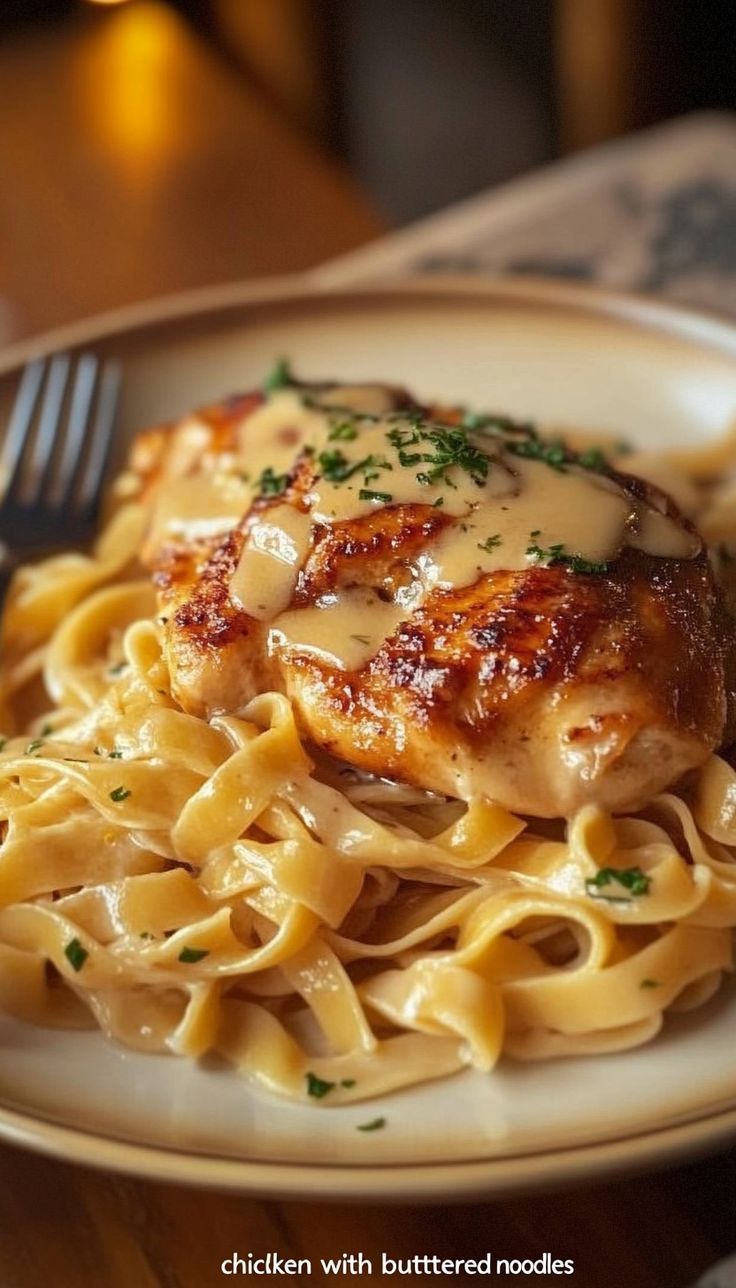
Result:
427,101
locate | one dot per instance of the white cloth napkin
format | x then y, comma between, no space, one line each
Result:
655,212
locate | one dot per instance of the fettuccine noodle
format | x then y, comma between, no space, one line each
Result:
197,886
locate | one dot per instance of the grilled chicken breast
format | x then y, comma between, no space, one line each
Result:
447,600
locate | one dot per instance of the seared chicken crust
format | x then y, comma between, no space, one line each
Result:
543,688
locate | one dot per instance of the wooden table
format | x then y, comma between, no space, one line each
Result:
68,1226
133,164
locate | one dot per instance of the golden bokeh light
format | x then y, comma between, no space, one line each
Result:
124,79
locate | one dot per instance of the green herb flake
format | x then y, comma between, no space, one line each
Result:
490,423
47,729
592,459
318,1087
115,755
374,1125
451,449
34,746
631,879
119,794
270,484
279,377
576,563
190,955
556,554
336,467
552,453
649,983
347,1082
345,432
491,543
549,554
3,741
118,668
361,639
366,494
75,954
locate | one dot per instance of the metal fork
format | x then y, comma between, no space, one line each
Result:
54,455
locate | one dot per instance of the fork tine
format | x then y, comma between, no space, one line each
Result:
101,441
81,401
21,418
49,425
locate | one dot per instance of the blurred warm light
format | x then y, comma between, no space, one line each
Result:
107,2
124,81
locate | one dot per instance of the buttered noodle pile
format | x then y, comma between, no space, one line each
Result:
214,886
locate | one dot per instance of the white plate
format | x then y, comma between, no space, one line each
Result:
564,356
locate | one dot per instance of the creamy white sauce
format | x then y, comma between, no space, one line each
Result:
276,546
346,630
199,506
519,513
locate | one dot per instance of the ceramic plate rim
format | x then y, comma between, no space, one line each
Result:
453,1182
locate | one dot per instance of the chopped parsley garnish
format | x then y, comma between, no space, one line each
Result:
374,1125
451,449
366,494
649,983
347,1082
576,563
551,554
556,454
270,484
115,755
2,743
47,729
119,794
557,554
34,746
318,1087
491,543
336,468
440,501
534,449
75,954
345,432
117,668
631,879
279,377
495,424
193,954
592,459
361,639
